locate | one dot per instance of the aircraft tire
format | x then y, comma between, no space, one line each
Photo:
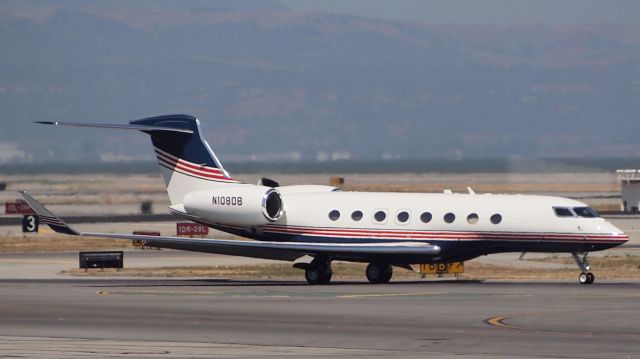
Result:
590,278
586,278
318,275
379,273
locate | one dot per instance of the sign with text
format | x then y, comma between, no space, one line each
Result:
442,268
191,229
17,207
30,223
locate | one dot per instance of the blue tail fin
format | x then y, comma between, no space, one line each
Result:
187,162
188,147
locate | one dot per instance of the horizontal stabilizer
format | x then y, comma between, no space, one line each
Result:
47,217
145,128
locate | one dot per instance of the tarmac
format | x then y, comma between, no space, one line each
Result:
220,318
69,317
44,314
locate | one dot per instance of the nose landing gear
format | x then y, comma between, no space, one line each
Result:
585,277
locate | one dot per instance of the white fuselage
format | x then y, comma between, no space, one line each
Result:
464,225
519,213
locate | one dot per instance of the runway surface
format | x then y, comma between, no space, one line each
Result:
220,318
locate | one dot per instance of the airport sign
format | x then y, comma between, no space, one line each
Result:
30,223
442,268
191,229
17,207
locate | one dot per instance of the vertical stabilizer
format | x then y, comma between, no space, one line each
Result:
187,162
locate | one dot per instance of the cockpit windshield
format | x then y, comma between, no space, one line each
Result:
563,212
586,212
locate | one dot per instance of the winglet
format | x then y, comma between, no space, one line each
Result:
47,217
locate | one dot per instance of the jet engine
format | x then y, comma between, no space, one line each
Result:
236,204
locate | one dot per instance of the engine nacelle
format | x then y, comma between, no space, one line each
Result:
236,204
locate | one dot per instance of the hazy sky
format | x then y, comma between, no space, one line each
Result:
494,12
382,79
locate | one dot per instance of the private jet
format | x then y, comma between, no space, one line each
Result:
384,230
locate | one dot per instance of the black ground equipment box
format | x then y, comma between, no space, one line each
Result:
101,259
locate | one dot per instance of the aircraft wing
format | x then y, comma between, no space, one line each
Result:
288,251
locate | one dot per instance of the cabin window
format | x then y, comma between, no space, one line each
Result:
425,217
403,217
586,212
472,218
563,212
496,218
334,215
380,216
449,217
356,215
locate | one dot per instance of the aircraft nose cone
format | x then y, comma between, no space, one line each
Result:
616,230
612,230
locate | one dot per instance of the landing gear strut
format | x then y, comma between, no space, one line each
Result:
585,277
378,273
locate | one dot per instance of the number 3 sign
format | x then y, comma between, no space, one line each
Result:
30,223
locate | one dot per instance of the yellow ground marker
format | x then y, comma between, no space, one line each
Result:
498,321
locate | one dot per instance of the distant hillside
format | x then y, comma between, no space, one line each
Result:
275,84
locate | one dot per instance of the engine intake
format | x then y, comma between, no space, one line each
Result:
272,205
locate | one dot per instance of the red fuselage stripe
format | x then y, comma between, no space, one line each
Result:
449,235
197,173
169,158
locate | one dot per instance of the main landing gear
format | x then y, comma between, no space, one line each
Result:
318,275
585,277
317,272
378,273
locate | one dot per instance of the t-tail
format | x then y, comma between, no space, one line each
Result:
187,162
